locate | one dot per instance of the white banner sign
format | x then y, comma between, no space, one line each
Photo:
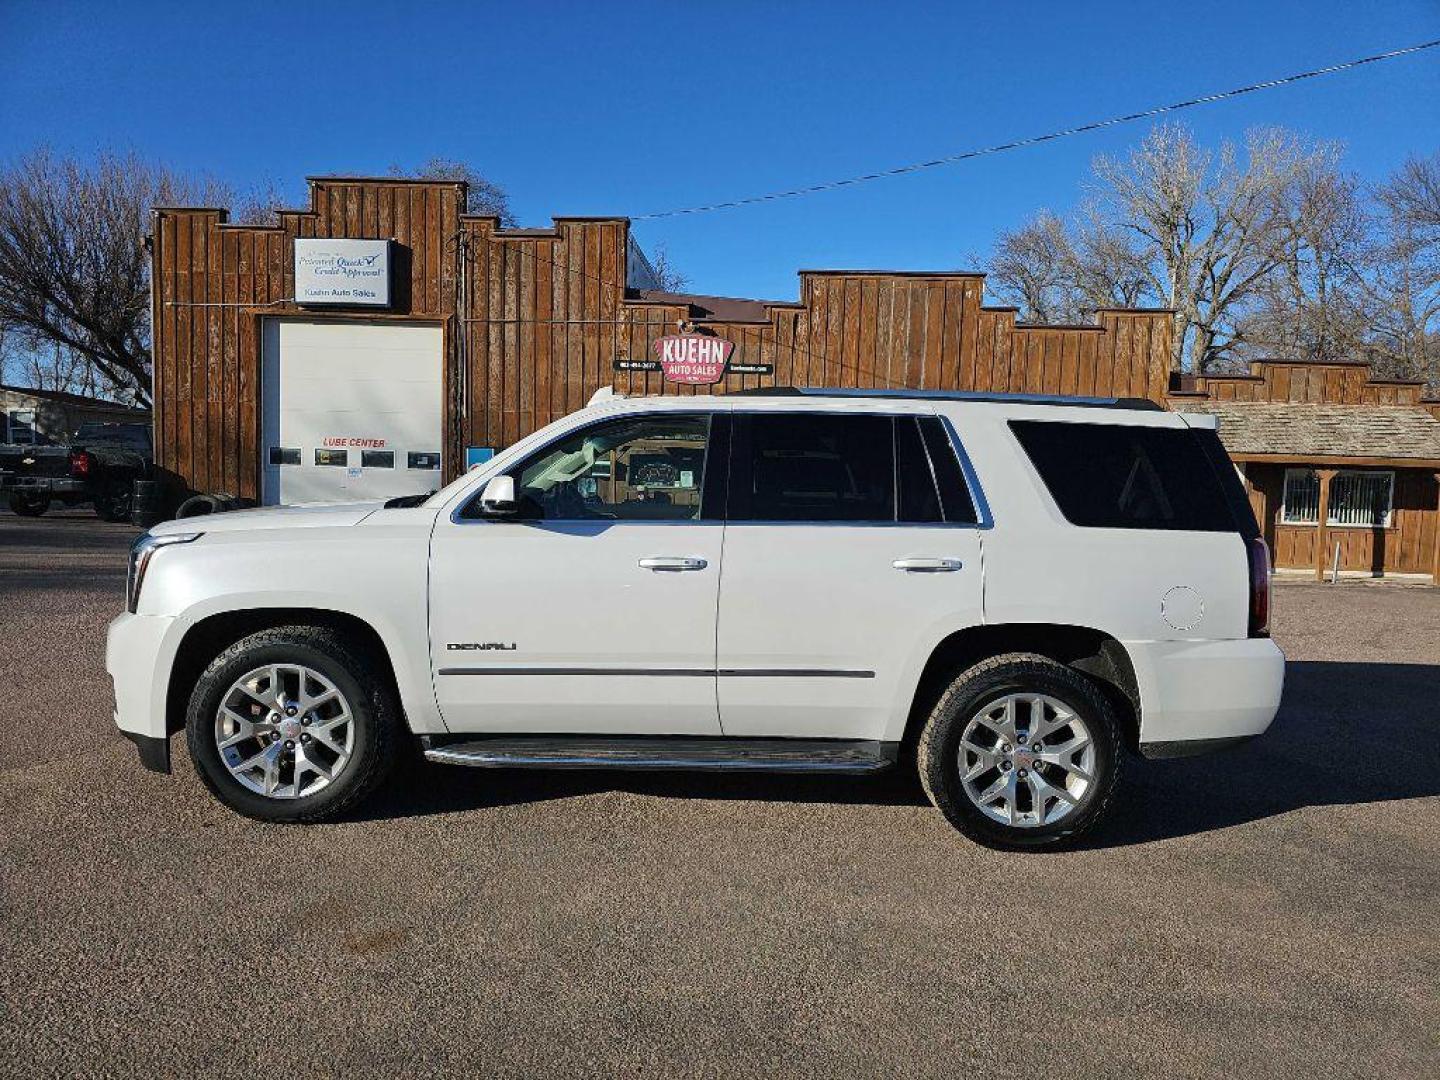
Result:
342,272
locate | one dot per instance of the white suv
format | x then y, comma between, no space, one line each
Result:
1010,592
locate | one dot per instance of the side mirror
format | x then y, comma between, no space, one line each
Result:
498,498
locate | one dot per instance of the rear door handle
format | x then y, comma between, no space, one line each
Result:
672,563
928,566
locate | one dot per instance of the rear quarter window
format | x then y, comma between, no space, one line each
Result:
1114,476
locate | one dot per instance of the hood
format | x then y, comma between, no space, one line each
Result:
308,516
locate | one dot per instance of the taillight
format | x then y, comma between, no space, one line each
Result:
1259,587
80,463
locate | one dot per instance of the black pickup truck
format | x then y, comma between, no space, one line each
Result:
99,465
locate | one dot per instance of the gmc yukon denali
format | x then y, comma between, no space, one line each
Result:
1008,594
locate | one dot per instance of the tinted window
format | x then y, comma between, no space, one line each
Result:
133,436
954,492
919,501
1124,477
644,468
812,467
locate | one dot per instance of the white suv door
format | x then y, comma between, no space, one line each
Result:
851,548
593,610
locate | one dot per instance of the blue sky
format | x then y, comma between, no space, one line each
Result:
594,108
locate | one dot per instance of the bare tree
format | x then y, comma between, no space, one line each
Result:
1212,226
1315,302
485,196
74,273
1033,268
667,274
1405,333
1062,271
258,205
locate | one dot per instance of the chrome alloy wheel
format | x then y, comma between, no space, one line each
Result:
284,731
1026,760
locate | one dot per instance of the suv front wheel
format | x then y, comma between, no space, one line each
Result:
1021,752
292,725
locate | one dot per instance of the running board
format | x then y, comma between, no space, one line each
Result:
675,752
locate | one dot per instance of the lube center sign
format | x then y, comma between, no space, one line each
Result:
354,272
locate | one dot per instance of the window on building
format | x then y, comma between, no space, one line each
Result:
1358,498
332,457
377,459
1301,504
1361,498
22,427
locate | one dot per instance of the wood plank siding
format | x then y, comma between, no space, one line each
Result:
213,282
535,318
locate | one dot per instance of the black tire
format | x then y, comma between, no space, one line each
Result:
27,504
988,681
376,718
115,500
199,505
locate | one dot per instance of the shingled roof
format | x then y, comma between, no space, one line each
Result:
1306,430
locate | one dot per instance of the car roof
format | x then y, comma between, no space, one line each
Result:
863,394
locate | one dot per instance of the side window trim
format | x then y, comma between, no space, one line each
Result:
929,465
712,418
983,518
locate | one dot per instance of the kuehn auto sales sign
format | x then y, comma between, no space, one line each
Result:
693,358
697,359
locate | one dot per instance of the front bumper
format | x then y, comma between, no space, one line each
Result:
1197,696
138,655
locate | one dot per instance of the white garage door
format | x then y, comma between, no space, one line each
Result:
351,411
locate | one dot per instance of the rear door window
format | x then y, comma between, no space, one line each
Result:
1116,476
813,466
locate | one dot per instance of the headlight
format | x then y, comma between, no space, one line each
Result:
141,552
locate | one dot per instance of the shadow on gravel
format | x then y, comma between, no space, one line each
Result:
422,788
1347,733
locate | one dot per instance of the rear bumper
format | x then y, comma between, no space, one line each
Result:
1197,696
42,484
138,657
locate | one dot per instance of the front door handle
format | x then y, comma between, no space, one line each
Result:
672,563
928,566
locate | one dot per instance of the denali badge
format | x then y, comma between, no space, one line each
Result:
478,646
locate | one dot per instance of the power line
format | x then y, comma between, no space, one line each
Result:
951,159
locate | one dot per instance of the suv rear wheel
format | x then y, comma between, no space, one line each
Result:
291,725
1021,752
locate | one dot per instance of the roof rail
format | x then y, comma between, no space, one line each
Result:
1137,403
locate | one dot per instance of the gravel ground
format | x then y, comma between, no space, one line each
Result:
1267,912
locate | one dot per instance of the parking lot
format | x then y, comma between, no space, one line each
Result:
1271,911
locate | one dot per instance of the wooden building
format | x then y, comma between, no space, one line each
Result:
382,338
1343,470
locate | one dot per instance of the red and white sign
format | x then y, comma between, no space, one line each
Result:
349,440
693,358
